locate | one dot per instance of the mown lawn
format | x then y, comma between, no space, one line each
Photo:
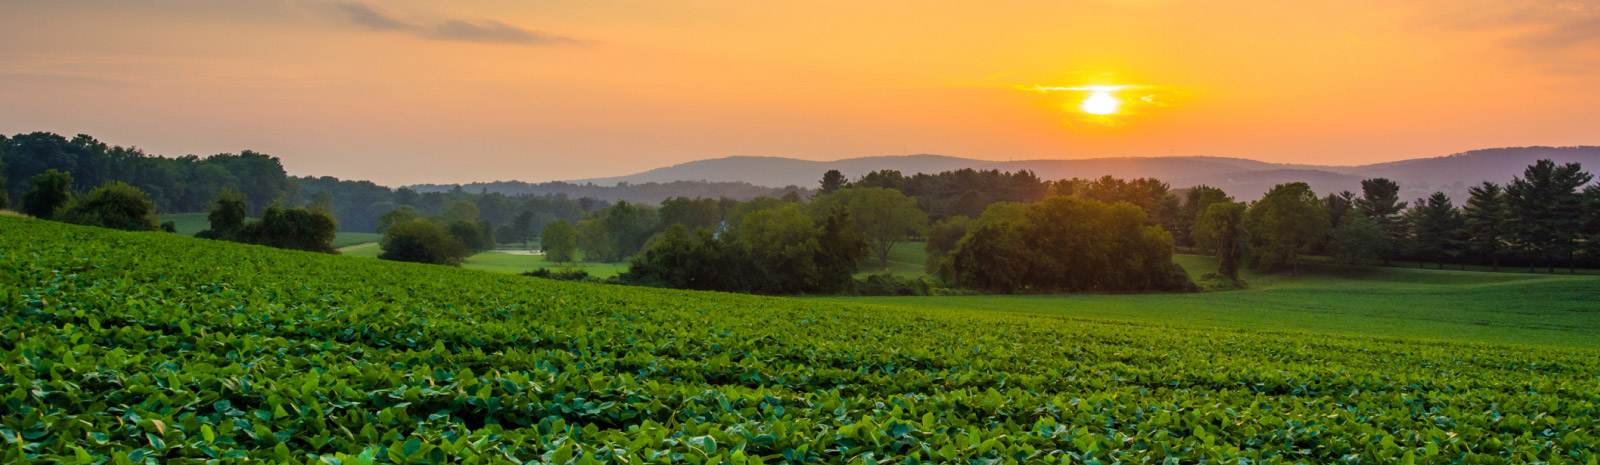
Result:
1444,305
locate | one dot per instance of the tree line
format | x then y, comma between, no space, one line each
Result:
118,205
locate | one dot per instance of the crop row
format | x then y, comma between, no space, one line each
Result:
128,348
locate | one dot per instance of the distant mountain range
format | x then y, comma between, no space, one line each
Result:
1245,179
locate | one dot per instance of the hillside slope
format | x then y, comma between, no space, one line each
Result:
149,347
1244,178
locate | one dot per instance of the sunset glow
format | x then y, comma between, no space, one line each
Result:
414,91
1100,103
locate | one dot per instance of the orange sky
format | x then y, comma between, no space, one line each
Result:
412,91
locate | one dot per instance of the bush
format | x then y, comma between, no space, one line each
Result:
51,190
422,241
293,229
890,285
562,274
115,205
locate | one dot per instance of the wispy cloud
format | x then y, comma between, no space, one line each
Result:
366,16
1562,36
488,31
492,31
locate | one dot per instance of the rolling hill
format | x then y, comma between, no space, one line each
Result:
1245,178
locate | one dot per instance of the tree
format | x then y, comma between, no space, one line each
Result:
693,214
5,196
884,216
1338,205
1545,202
1286,223
941,241
831,181
462,211
839,249
1196,202
115,205
1358,239
404,214
783,246
1223,227
1070,244
1380,201
1436,229
1486,215
470,235
227,216
51,189
1591,221
292,228
520,229
993,257
422,241
559,240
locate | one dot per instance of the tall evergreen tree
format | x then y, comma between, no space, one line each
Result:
1436,227
1380,201
1339,204
831,181
1545,203
5,195
1486,215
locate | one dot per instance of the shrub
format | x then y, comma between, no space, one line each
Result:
115,205
51,190
422,241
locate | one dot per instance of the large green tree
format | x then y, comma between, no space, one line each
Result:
1286,223
884,216
1487,219
1196,201
1222,225
51,189
559,240
227,216
1358,239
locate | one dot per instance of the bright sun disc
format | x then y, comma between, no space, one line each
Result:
1100,103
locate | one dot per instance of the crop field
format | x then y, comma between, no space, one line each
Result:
1429,304
153,348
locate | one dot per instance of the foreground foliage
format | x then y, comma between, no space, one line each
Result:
143,347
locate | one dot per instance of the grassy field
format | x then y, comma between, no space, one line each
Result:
151,348
905,259
189,224
1444,305
499,261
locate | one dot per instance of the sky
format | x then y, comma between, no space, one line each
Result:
403,92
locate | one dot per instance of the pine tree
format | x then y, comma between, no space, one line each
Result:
1380,201
1486,215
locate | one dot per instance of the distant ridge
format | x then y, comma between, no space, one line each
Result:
1244,178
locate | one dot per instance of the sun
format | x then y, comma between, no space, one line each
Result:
1100,102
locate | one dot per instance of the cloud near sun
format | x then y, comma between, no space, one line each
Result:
1103,103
